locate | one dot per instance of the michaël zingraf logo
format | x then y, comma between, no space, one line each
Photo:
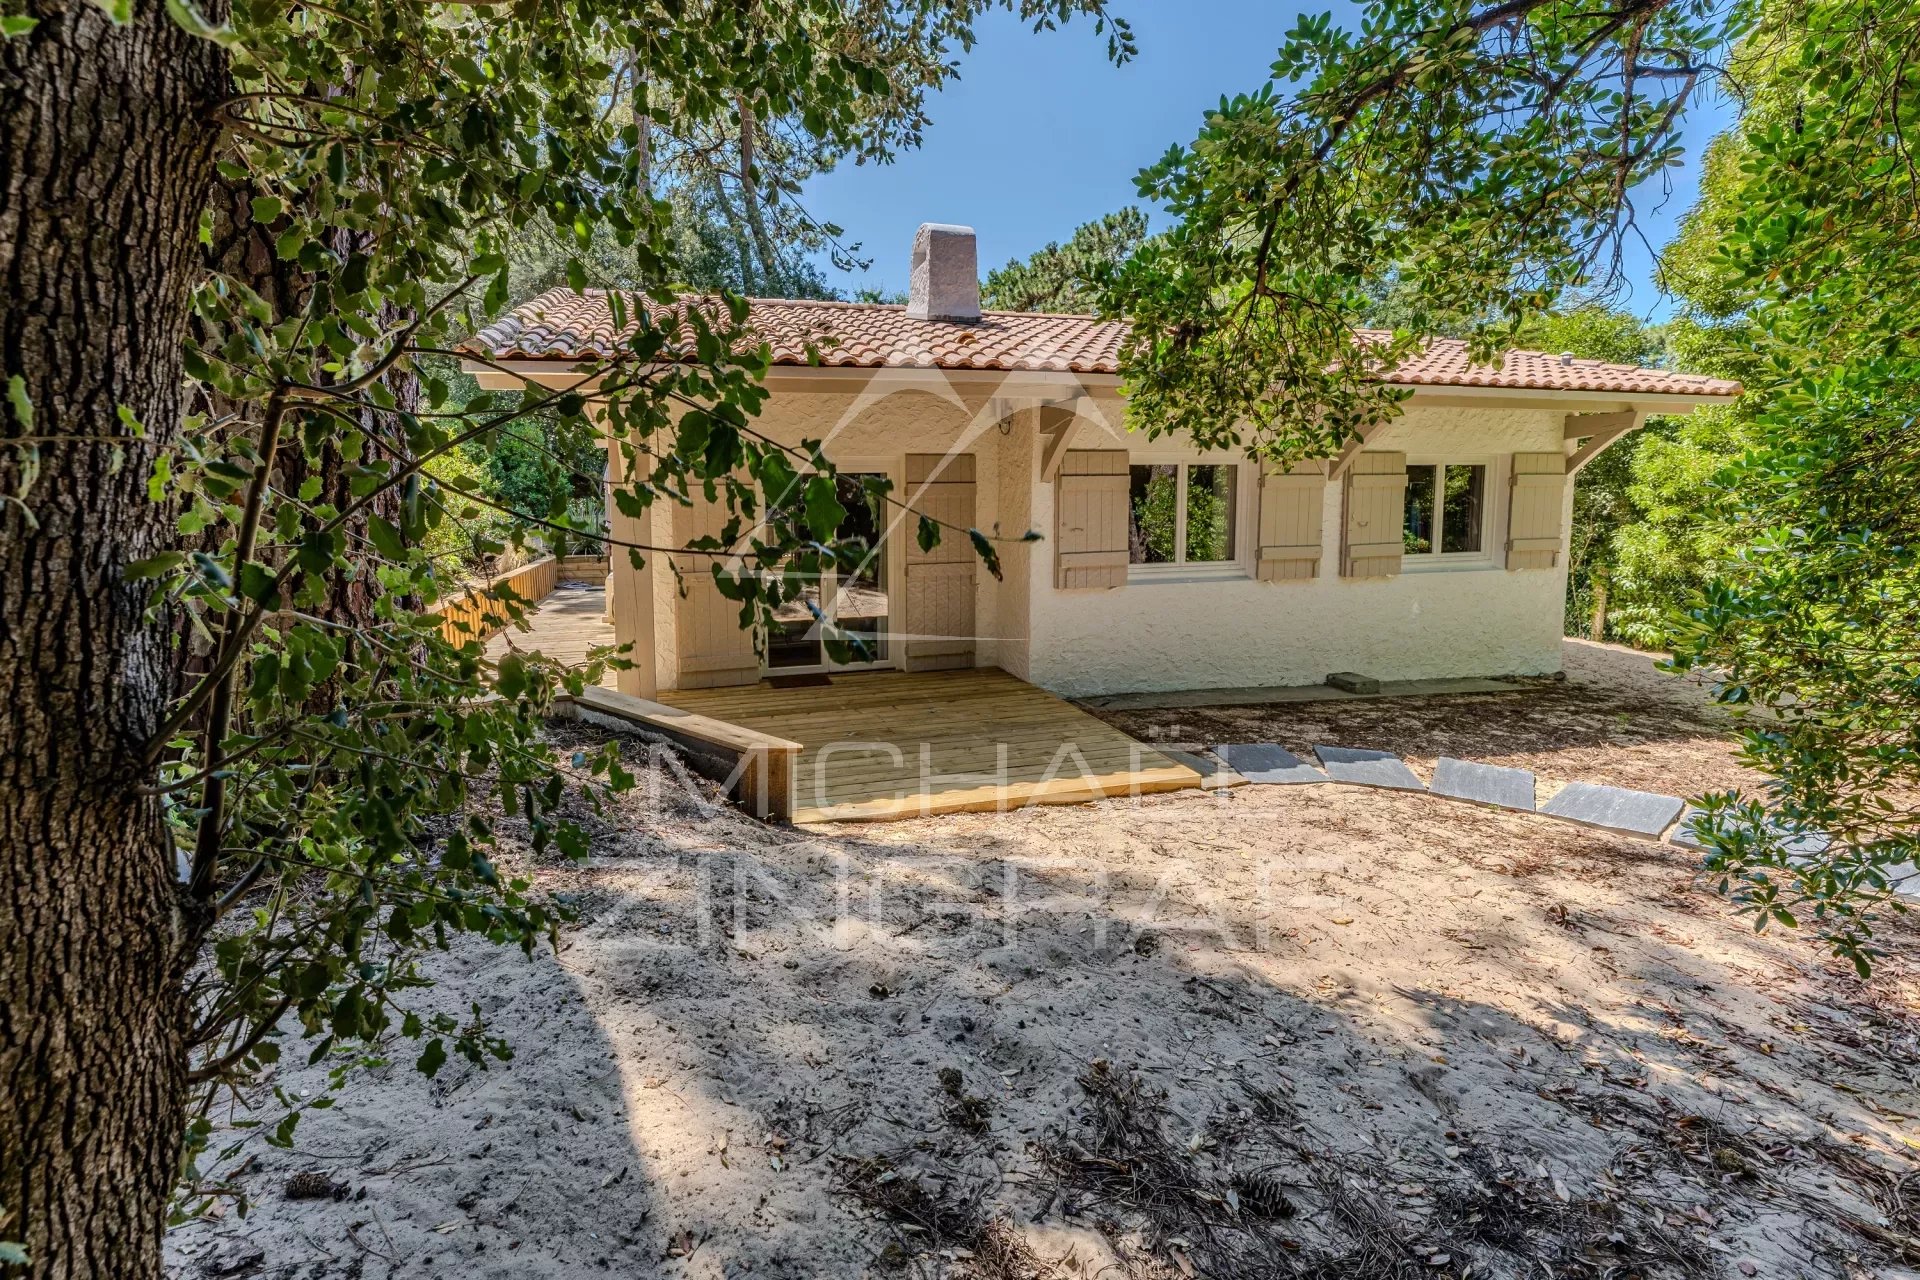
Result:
837,887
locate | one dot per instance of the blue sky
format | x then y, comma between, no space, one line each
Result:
1041,133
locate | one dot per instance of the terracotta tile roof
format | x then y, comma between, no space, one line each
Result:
562,325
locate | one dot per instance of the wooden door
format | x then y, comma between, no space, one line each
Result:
940,581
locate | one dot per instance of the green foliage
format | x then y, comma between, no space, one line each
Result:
1065,278
1593,331
1666,552
539,466
1467,167
1468,161
339,773
1155,517
1604,509
1812,617
1209,516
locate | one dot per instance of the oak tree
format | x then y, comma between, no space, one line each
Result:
244,781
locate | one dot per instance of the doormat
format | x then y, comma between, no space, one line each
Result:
810,680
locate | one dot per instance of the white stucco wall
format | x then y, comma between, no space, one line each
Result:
1214,628
903,412
1232,631
1018,458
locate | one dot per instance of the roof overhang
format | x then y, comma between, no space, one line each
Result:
1054,386
1650,402
1044,385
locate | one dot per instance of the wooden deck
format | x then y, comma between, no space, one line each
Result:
565,626
885,745
888,744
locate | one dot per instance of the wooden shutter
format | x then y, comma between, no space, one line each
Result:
1290,509
714,649
1376,515
940,582
1090,519
1534,514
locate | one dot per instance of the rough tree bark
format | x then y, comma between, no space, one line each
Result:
106,150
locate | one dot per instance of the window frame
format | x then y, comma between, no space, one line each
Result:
1431,561
1181,569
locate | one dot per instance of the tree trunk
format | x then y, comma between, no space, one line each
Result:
244,250
106,149
750,201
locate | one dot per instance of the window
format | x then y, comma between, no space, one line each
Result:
1446,509
1181,513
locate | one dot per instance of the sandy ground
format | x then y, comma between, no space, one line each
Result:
1275,1032
1615,719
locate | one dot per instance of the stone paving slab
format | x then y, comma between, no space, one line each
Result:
1483,783
1267,763
1804,845
1630,813
1683,830
1213,774
1906,879
1904,876
1368,768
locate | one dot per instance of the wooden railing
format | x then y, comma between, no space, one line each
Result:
478,612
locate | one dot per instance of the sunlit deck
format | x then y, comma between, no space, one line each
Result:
891,744
565,626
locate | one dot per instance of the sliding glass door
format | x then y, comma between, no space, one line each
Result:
855,600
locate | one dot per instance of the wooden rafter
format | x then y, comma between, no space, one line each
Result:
1058,427
1598,430
1351,450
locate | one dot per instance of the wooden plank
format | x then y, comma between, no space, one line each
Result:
1536,510
758,766
1058,427
714,649
939,581
1030,766
963,717
956,468
630,590
1376,494
1090,519
477,613
1600,430
1291,503
994,800
969,722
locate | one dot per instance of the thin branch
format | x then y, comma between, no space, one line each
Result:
220,713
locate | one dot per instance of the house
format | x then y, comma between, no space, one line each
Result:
1436,547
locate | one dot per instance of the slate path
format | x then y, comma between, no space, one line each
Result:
1802,844
1213,774
1483,783
1630,813
1634,813
1368,768
1267,762
1683,831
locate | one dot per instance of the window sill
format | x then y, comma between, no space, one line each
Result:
1460,563
1141,575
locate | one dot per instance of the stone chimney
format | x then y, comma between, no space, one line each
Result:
946,275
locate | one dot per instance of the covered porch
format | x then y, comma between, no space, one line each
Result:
882,745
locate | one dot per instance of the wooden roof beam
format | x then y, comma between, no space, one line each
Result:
1599,431
1058,427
